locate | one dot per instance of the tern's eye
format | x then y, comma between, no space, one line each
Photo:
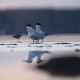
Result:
65,66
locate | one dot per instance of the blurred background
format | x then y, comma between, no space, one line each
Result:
58,16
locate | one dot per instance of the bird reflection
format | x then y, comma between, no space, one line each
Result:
38,54
35,34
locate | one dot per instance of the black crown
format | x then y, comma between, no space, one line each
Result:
28,25
38,24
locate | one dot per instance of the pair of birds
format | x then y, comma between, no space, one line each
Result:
37,34
33,34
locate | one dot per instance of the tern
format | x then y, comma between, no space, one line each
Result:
38,29
33,34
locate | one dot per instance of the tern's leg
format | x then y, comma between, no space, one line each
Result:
42,40
38,41
33,41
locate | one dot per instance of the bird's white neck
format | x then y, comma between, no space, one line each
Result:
30,30
38,29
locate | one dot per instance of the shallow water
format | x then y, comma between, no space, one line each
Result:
8,57
12,66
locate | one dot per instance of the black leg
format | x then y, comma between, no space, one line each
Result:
38,41
33,41
42,40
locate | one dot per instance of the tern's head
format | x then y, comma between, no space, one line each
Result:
28,25
38,24
29,28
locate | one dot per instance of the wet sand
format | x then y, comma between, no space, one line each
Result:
66,37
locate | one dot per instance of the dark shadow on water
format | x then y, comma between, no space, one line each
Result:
77,50
65,66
